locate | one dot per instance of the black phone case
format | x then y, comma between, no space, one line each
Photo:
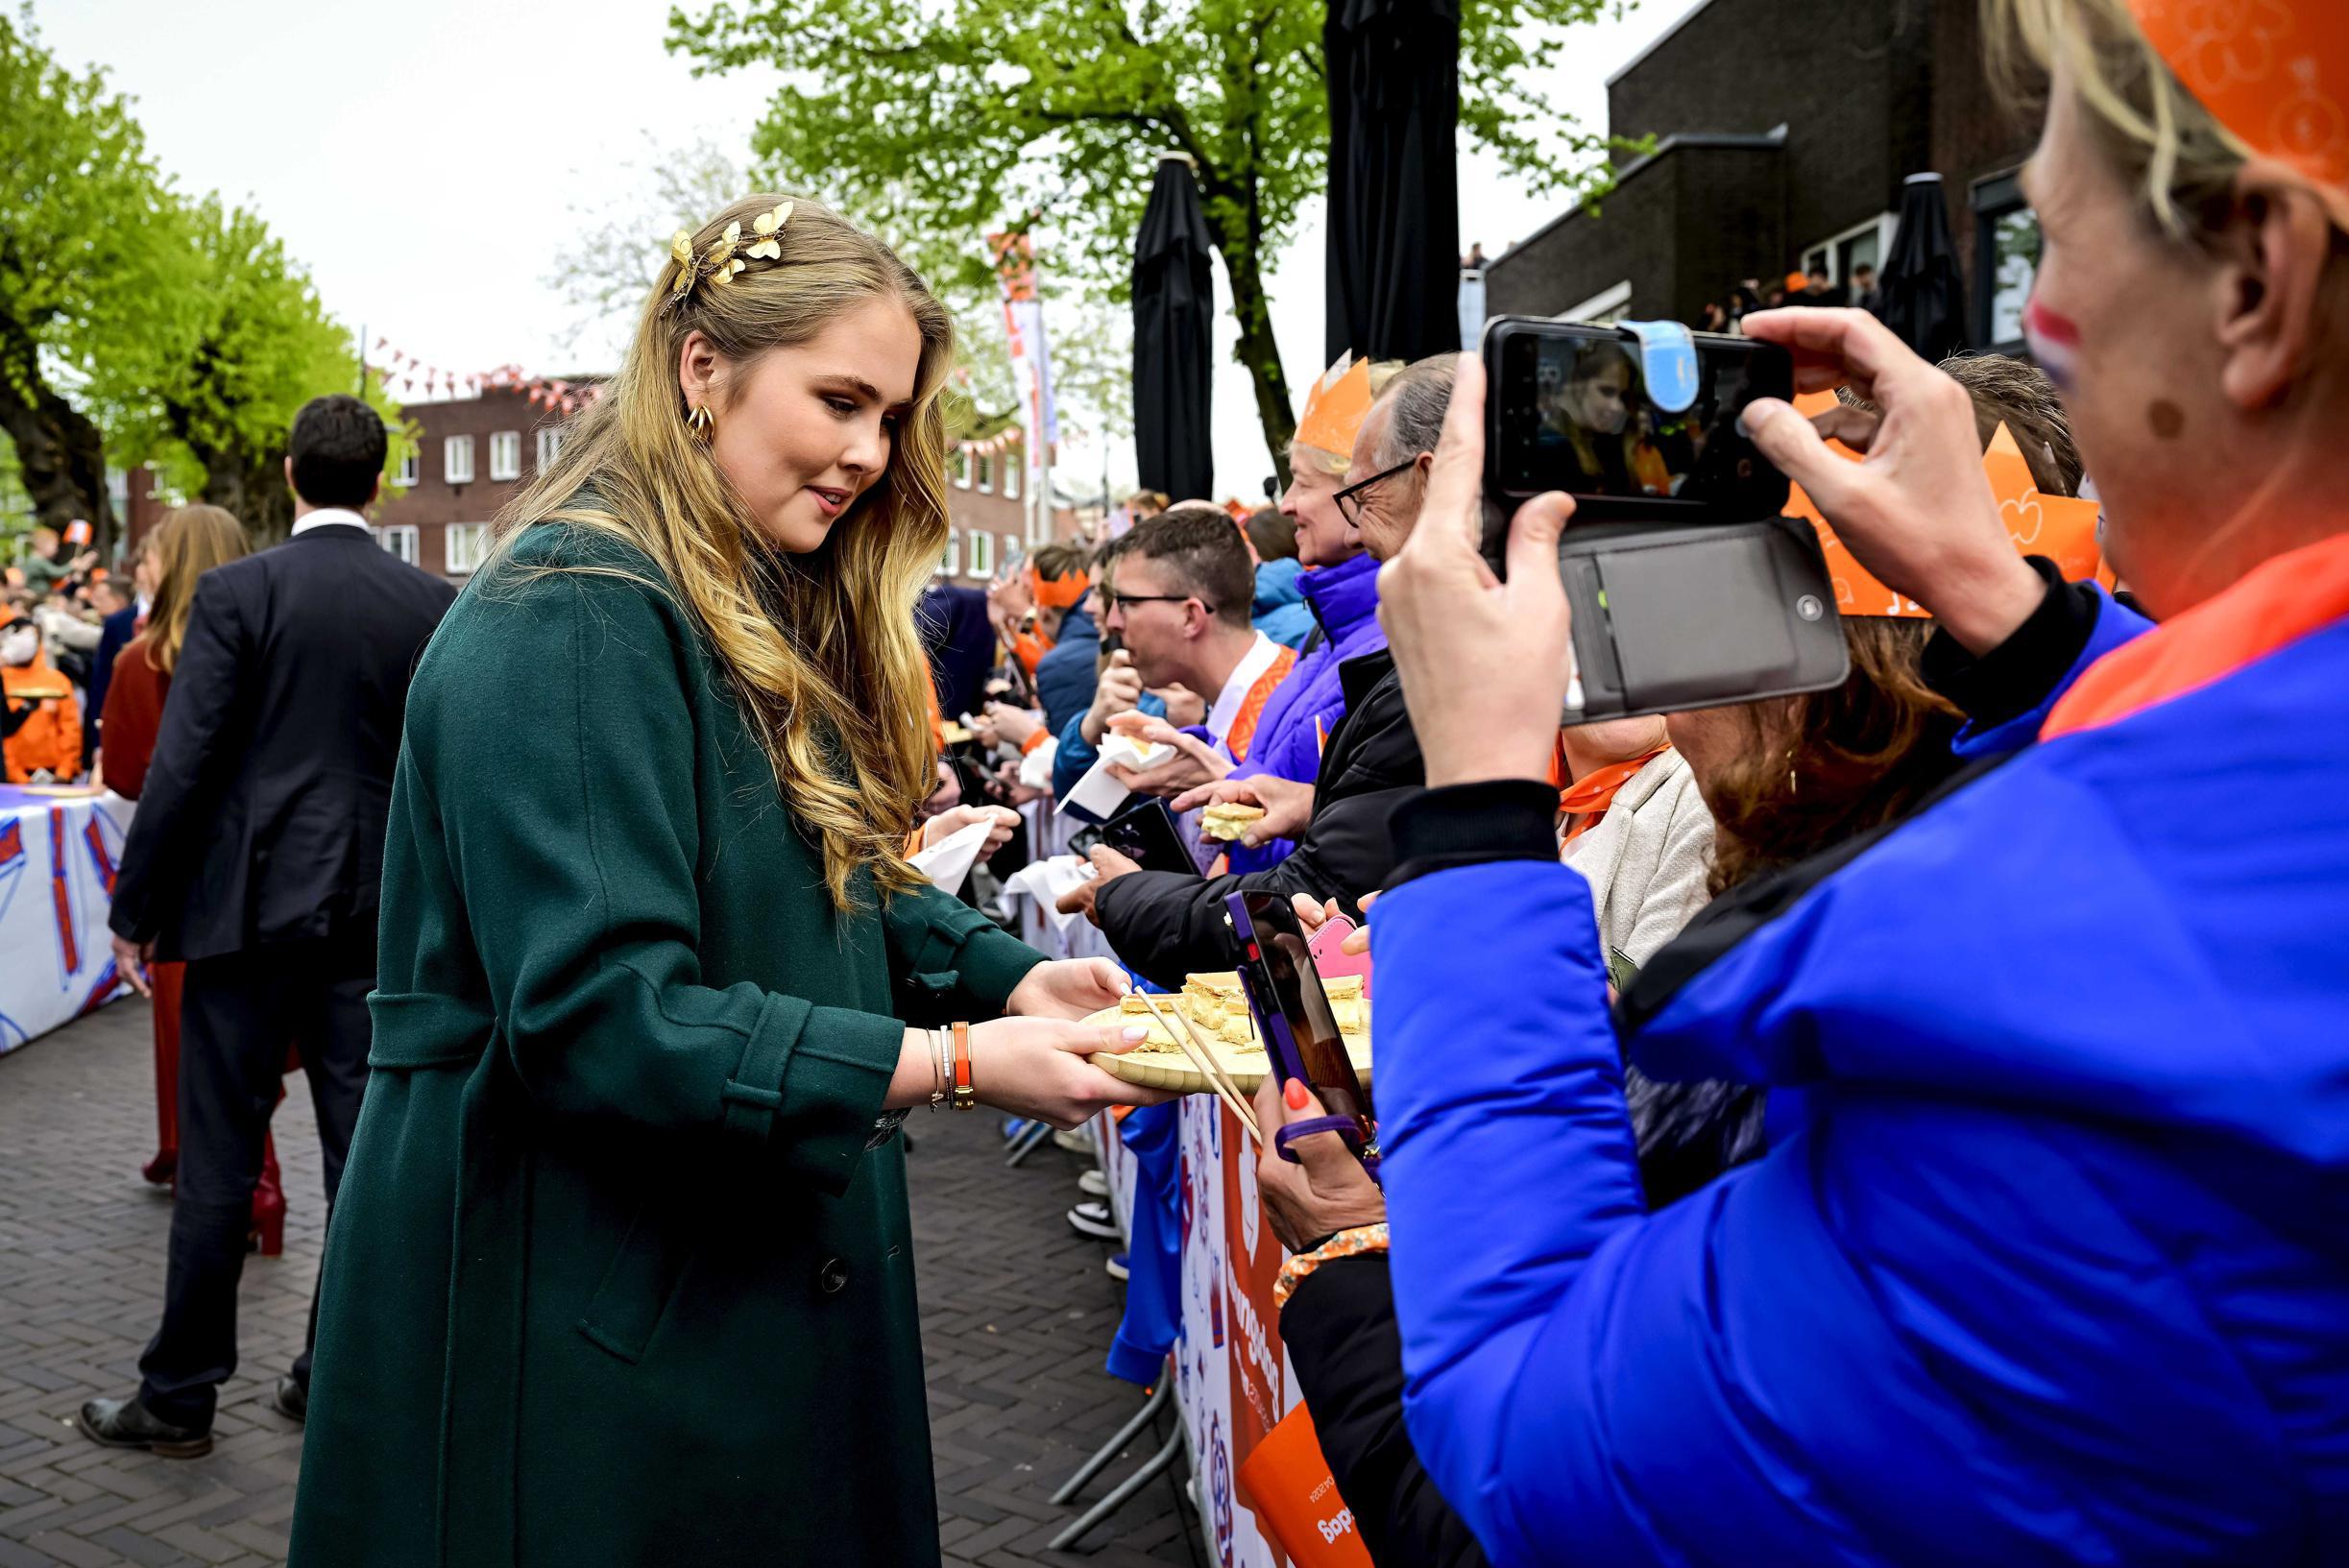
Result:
1699,617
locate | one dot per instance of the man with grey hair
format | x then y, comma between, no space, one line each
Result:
1168,926
1396,447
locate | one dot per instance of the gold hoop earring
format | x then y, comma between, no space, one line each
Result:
702,423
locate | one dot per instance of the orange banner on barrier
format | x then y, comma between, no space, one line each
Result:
1287,1484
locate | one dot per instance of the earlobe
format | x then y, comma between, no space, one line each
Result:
2274,268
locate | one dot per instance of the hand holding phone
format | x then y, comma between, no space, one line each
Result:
1301,1032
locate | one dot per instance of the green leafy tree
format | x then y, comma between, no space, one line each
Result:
137,327
95,272
260,346
940,122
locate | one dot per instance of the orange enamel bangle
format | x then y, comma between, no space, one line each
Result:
966,1097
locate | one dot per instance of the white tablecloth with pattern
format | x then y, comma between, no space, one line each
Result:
57,855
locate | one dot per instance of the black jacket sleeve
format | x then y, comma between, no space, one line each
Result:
1347,1353
1167,925
2017,675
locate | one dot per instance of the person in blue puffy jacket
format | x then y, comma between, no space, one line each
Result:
2048,1259
1278,609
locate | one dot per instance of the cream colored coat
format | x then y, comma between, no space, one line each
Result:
1647,859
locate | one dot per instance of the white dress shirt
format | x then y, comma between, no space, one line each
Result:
326,516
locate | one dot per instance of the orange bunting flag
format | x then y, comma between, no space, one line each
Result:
2063,528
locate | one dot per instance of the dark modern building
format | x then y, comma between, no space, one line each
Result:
1784,131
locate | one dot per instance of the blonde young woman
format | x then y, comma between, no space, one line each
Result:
621,1270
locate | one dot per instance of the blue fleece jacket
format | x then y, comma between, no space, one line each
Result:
2054,1269
1278,609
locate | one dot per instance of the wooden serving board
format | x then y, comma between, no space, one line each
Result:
1159,1063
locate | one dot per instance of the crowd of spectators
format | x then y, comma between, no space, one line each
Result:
1879,1124
63,619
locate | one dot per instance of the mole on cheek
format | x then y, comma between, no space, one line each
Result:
2168,419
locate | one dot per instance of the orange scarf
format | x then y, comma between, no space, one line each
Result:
2281,601
1252,708
1588,799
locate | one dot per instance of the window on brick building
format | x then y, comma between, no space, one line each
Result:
410,462
468,545
987,473
550,445
1864,245
1011,476
457,460
983,555
2005,262
506,455
952,562
400,539
959,464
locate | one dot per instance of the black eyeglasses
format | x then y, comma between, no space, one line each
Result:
1349,499
1119,602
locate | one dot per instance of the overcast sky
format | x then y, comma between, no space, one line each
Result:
424,160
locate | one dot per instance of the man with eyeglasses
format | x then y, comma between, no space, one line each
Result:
1178,603
1166,926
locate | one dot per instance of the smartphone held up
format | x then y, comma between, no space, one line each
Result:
1689,587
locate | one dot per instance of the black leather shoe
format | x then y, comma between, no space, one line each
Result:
127,1423
291,1401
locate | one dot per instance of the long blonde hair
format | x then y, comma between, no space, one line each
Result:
190,541
821,650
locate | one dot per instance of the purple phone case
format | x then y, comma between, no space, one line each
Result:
1280,1043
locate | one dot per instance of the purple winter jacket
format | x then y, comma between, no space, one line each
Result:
1288,745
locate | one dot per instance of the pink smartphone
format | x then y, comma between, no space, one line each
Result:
1324,945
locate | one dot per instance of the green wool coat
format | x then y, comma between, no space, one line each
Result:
620,1271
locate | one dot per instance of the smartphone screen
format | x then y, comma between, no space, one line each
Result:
1284,961
1145,835
1573,413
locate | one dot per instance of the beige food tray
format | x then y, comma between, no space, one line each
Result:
1159,1063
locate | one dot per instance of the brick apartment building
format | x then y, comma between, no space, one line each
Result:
477,454
1783,132
989,514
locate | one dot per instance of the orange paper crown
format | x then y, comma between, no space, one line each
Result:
1334,406
1058,592
2274,72
2059,527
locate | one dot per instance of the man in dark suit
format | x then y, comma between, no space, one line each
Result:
255,855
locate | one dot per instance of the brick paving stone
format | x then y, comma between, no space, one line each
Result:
1016,1316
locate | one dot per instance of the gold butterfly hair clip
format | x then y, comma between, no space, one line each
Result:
726,256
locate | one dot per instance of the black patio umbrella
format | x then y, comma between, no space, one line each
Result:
1174,304
1922,292
1394,72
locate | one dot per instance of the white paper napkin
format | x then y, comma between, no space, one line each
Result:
948,862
